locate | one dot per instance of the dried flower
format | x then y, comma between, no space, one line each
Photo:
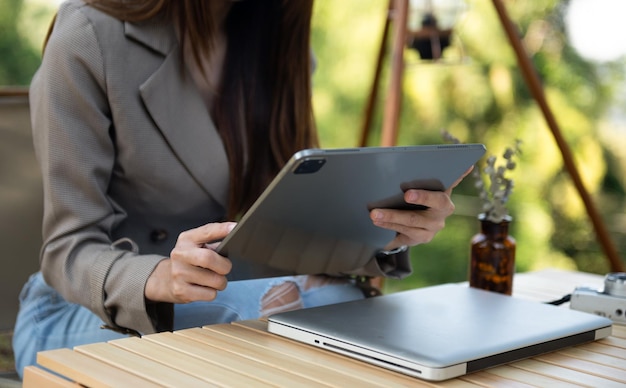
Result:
495,195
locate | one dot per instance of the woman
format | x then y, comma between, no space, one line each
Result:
154,122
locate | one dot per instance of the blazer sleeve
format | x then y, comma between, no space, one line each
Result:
72,132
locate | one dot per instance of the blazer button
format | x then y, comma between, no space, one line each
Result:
158,235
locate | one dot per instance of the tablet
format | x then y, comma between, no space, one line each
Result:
313,217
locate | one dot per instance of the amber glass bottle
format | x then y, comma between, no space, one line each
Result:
492,262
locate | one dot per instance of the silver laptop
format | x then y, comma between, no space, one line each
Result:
436,333
314,216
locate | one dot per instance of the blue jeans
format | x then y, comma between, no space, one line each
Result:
46,321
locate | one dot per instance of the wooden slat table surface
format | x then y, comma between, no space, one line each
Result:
245,354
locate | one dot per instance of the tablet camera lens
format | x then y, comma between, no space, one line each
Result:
310,166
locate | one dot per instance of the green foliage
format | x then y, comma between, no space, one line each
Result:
486,101
19,58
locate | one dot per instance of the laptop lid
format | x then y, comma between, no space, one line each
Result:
436,333
314,216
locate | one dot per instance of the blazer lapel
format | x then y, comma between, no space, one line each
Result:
179,112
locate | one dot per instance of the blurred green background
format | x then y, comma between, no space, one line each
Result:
485,99
481,99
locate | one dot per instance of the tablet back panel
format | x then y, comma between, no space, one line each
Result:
314,216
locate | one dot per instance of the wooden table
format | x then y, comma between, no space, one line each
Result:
245,354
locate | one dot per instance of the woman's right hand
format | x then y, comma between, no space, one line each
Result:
194,271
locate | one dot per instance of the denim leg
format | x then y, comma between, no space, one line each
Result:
330,294
46,321
241,300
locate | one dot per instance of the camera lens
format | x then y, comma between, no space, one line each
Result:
309,166
615,284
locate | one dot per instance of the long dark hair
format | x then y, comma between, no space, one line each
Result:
263,108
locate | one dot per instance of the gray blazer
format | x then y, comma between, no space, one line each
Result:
130,158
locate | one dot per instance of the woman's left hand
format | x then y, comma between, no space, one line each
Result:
415,227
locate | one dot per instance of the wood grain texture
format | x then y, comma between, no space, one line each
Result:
245,354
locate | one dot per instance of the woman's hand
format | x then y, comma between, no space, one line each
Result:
194,271
415,227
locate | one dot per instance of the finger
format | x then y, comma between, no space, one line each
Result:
412,228
191,283
189,292
194,293
208,233
187,274
416,236
435,201
203,258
